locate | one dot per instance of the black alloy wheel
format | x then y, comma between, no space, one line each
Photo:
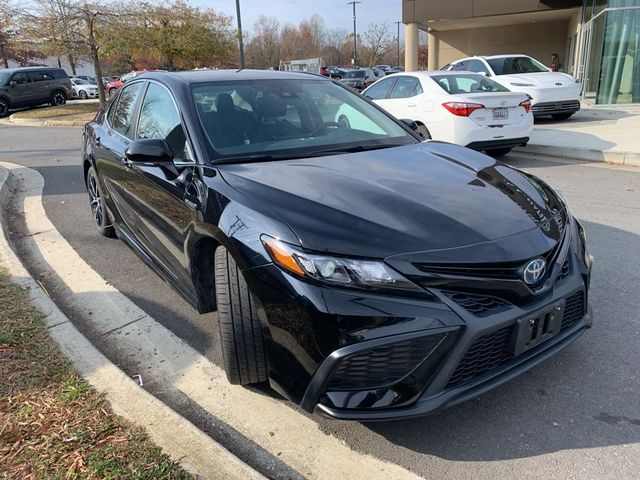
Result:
98,210
58,98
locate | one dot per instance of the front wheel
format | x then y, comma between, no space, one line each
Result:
112,91
498,152
243,351
83,95
58,98
98,210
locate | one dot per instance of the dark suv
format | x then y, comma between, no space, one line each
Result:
31,86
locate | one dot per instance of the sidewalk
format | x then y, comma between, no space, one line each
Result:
601,134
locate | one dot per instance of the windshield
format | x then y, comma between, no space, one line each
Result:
467,83
79,81
511,65
290,117
355,74
128,76
4,78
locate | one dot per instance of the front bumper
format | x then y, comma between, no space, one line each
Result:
368,356
552,108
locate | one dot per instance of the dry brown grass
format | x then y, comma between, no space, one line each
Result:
85,110
53,425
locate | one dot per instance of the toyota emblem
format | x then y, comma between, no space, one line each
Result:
534,271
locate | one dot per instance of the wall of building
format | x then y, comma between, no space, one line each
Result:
423,10
538,40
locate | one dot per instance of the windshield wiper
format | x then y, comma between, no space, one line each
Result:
353,149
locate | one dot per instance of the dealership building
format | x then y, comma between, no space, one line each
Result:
597,41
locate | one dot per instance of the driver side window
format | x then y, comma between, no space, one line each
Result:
159,119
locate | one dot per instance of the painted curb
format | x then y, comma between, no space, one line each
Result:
179,438
631,159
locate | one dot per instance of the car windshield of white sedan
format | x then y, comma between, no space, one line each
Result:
288,117
515,65
79,81
467,83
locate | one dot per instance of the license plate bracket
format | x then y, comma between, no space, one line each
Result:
500,113
532,330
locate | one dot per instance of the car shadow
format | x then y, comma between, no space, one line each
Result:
588,115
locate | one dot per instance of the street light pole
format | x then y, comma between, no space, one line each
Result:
355,37
398,40
240,34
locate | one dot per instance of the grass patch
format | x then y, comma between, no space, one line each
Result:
53,425
83,110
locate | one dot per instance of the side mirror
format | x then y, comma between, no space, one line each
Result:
151,152
13,83
410,123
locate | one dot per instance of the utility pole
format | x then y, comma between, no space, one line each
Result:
398,40
355,37
240,34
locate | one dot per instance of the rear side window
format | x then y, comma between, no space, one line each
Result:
57,73
19,78
39,76
406,87
159,118
121,113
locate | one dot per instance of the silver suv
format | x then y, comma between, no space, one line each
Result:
31,86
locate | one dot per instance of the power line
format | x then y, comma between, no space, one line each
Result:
355,36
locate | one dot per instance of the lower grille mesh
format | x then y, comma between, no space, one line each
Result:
481,305
383,365
492,351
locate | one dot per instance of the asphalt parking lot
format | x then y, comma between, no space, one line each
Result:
575,416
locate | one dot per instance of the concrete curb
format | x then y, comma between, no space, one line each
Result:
34,122
179,438
631,159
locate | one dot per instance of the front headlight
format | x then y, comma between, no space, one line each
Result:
337,271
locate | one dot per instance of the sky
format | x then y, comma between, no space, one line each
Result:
336,13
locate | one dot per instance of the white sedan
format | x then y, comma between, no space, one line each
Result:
83,89
458,107
552,93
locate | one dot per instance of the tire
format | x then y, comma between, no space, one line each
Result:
4,108
112,91
562,116
83,95
58,98
241,336
98,210
498,152
423,132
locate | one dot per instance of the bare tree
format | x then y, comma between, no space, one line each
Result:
263,50
377,41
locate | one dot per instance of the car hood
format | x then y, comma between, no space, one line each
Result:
422,197
540,79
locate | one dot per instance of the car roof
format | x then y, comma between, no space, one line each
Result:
202,76
488,57
20,69
431,73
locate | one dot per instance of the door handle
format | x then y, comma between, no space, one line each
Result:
126,162
98,142
411,104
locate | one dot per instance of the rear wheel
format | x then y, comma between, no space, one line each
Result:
562,116
83,95
98,210
241,336
498,152
58,98
4,108
112,91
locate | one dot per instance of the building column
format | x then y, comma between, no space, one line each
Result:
411,47
433,50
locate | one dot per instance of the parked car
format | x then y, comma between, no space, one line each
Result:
83,89
359,78
552,93
362,273
378,72
336,73
32,86
458,107
112,86
89,78
383,67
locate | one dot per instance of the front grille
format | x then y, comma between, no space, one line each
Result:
383,365
480,305
485,354
573,311
492,351
569,106
504,270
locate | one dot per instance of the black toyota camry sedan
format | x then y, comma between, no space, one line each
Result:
361,272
